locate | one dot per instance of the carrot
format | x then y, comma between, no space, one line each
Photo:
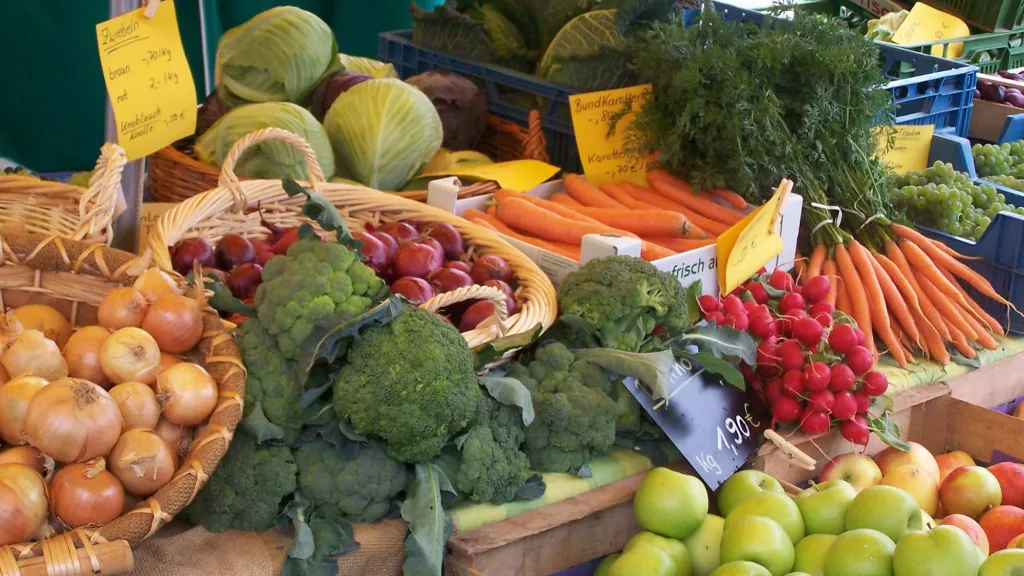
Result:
876,300
894,301
945,306
927,309
567,250
654,199
645,222
492,210
897,277
650,251
905,343
675,189
843,303
563,211
734,199
855,291
984,337
616,192
817,259
993,324
960,341
932,340
586,193
679,244
543,224
829,269
928,268
800,268
565,200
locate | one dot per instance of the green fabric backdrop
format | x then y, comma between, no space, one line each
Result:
52,103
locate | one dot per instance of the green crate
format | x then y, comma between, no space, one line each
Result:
990,52
1015,54
991,15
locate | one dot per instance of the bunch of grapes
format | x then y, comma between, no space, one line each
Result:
993,160
812,371
18,171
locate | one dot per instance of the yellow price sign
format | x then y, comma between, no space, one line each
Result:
602,154
519,175
148,79
910,147
925,25
751,243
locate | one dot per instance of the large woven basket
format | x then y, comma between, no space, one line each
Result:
230,208
176,175
63,210
73,277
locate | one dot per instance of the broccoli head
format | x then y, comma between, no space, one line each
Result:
358,485
492,467
272,381
314,280
573,421
622,300
246,490
410,382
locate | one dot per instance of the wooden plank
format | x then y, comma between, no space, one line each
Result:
988,119
991,385
979,431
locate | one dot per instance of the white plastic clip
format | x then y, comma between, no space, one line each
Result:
151,8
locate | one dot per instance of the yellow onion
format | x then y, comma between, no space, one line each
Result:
4,376
23,504
130,355
15,397
10,328
73,420
166,361
138,404
142,461
178,437
187,393
176,322
86,495
82,353
47,320
30,457
154,283
122,308
33,353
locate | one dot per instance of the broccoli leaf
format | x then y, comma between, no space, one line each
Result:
429,526
324,213
487,352
317,540
346,428
295,513
222,300
653,369
716,365
325,342
720,341
257,425
511,392
533,488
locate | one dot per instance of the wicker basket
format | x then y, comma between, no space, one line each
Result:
230,208
73,277
175,175
63,210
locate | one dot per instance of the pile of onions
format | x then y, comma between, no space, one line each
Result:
45,319
86,495
10,328
143,462
122,308
138,405
33,353
23,504
187,393
154,283
176,436
175,322
15,397
73,420
4,376
130,355
82,353
30,457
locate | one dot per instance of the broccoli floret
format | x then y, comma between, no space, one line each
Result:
272,380
357,485
410,382
573,422
314,280
593,376
623,299
246,490
493,468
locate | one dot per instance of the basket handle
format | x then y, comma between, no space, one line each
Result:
104,199
474,292
229,180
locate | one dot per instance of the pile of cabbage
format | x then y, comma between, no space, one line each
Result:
282,69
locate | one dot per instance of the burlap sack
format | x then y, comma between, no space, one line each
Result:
180,550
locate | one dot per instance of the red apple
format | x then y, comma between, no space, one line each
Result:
1002,524
918,455
860,471
971,491
1011,480
972,528
1017,542
951,461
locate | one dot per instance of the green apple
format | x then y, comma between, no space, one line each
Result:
778,507
943,551
810,554
741,568
798,574
1009,562
675,549
644,558
742,485
860,552
670,504
927,522
760,540
823,506
704,546
889,510
605,565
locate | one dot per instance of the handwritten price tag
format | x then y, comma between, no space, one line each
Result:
751,243
520,175
603,156
910,149
148,79
151,213
925,24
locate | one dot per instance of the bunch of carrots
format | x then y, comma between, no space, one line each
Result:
907,290
668,217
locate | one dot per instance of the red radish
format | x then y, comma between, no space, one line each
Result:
415,290
287,239
823,307
816,289
449,238
767,353
875,383
233,250
860,360
388,241
791,301
861,338
417,260
191,250
790,346
264,256
376,253
402,232
825,320
503,286
793,383
786,409
792,360
758,292
459,265
815,422
841,378
773,391
817,376
244,280
784,326
447,279
821,401
491,268
708,303
747,371
781,280
749,306
732,305
476,314
807,331
798,313
856,431
762,325
844,405
842,339
863,401
715,317
737,321
757,384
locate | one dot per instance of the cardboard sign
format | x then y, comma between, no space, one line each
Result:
151,213
714,425
925,24
148,79
519,175
911,146
603,156
752,243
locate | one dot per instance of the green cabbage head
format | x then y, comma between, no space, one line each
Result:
384,132
277,56
368,66
270,160
588,54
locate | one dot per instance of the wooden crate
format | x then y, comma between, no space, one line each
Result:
989,120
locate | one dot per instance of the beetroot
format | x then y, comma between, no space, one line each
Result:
447,279
491,268
449,238
191,250
417,260
459,265
475,315
415,290
402,232
387,240
233,250
244,280
376,253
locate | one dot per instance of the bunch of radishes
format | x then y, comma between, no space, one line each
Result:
421,259
812,369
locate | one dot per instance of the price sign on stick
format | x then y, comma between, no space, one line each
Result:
910,147
148,78
519,175
714,425
603,156
751,243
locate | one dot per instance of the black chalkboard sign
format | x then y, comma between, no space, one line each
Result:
716,426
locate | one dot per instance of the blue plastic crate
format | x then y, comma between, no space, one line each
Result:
940,92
